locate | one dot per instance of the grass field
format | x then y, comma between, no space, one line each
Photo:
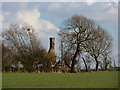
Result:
61,80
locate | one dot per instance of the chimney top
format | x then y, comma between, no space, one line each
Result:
52,37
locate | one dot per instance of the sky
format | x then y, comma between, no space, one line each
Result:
47,17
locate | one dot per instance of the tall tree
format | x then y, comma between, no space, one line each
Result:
75,31
101,45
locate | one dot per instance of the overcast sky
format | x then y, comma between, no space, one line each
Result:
46,17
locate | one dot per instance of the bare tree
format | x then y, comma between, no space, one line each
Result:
85,64
105,60
6,58
87,61
74,32
25,47
101,45
67,57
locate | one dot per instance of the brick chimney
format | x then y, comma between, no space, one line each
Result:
51,51
52,43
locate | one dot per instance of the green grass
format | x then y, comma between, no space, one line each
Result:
61,80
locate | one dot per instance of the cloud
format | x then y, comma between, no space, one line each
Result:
32,18
101,12
110,14
90,2
44,29
19,13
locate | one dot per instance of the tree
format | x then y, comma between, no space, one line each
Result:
25,47
6,58
105,60
67,57
101,45
87,61
74,32
85,64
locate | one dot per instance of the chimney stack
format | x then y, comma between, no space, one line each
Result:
52,40
51,51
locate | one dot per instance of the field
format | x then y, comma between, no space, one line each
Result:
61,80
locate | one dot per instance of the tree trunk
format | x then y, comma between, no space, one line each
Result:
105,63
85,64
72,69
97,65
73,60
73,64
105,66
